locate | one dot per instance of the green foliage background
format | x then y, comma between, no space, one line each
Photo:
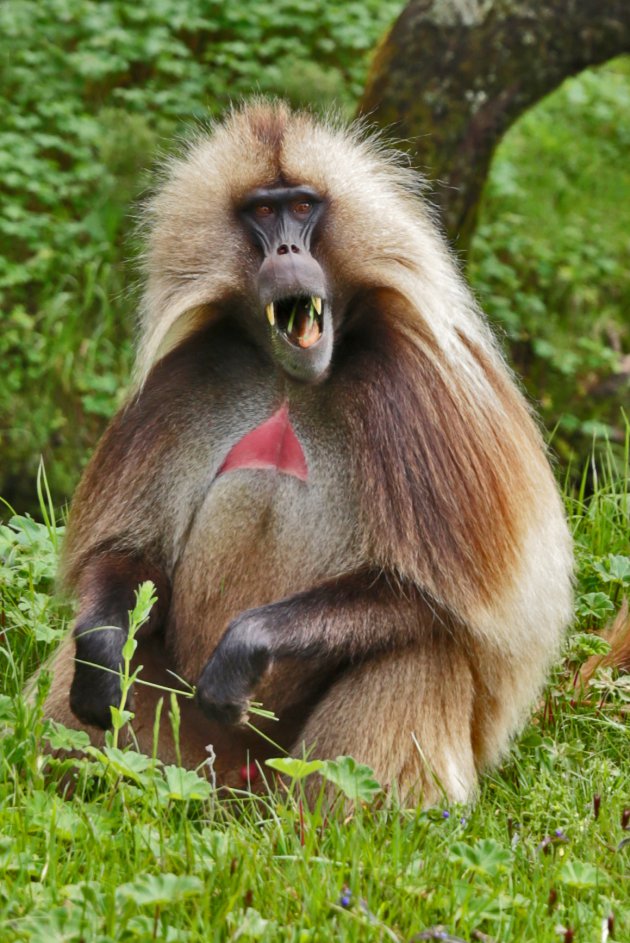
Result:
94,92
550,257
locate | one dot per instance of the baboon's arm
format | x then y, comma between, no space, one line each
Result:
342,620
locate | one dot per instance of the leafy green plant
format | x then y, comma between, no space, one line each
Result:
32,619
355,780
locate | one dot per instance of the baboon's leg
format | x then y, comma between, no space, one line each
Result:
407,714
507,683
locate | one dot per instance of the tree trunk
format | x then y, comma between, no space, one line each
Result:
452,75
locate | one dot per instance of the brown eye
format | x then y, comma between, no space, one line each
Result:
302,208
262,210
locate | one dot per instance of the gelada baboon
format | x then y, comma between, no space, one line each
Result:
326,469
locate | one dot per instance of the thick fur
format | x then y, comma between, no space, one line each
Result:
404,604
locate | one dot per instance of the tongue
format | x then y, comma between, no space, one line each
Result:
305,331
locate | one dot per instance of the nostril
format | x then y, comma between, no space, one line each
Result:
294,249
283,249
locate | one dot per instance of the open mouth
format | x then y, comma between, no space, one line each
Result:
298,318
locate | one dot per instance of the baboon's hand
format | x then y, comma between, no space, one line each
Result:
96,683
92,693
237,665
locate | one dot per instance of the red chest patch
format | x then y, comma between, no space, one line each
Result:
273,444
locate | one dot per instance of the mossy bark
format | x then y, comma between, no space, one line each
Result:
452,75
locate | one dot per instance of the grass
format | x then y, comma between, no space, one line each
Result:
143,852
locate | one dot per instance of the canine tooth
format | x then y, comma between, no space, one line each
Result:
317,304
271,314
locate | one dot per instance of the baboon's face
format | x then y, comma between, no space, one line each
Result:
290,286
